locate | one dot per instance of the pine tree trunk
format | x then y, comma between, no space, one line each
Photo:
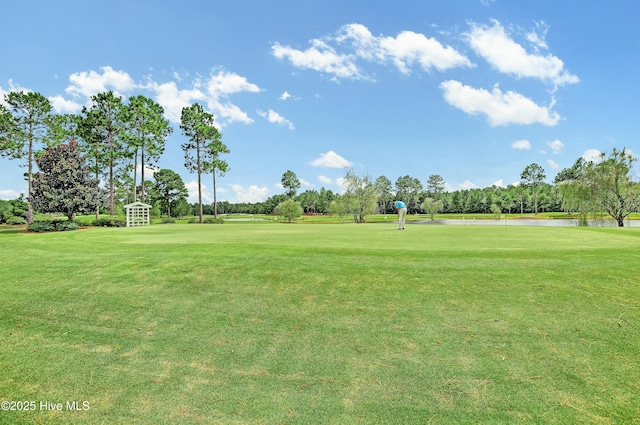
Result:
199,180
29,207
215,201
111,191
142,175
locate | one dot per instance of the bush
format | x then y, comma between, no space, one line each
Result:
85,221
206,220
65,226
109,222
41,226
16,220
210,220
168,220
49,225
289,209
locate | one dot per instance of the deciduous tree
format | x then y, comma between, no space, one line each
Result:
64,183
360,194
612,185
289,209
431,206
169,188
340,206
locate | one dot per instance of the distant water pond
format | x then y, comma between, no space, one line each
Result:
528,222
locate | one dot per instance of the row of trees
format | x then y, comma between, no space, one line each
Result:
114,138
586,188
111,139
591,188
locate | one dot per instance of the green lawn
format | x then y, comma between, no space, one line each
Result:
330,324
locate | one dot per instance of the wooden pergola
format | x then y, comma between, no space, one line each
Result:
138,214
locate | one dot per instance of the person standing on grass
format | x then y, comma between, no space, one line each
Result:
402,212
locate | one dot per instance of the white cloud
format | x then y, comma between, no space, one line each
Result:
9,194
324,180
192,188
467,185
538,40
553,164
225,83
149,171
222,84
320,57
509,57
251,194
501,108
285,96
591,155
556,146
212,92
276,118
305,183
63,106
521,145
90,83
173,99
228,111
15,88
331,160
499,183
449,188
341,181
357,42
403,50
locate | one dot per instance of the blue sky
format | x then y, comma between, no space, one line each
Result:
472,90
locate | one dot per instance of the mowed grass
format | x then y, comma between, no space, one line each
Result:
327,324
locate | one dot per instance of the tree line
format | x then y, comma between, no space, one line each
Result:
603,186
109,140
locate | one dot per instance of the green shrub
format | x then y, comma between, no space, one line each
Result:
65,226
168,220
109,222
83,221
194,220
16,220
210,220
41,226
